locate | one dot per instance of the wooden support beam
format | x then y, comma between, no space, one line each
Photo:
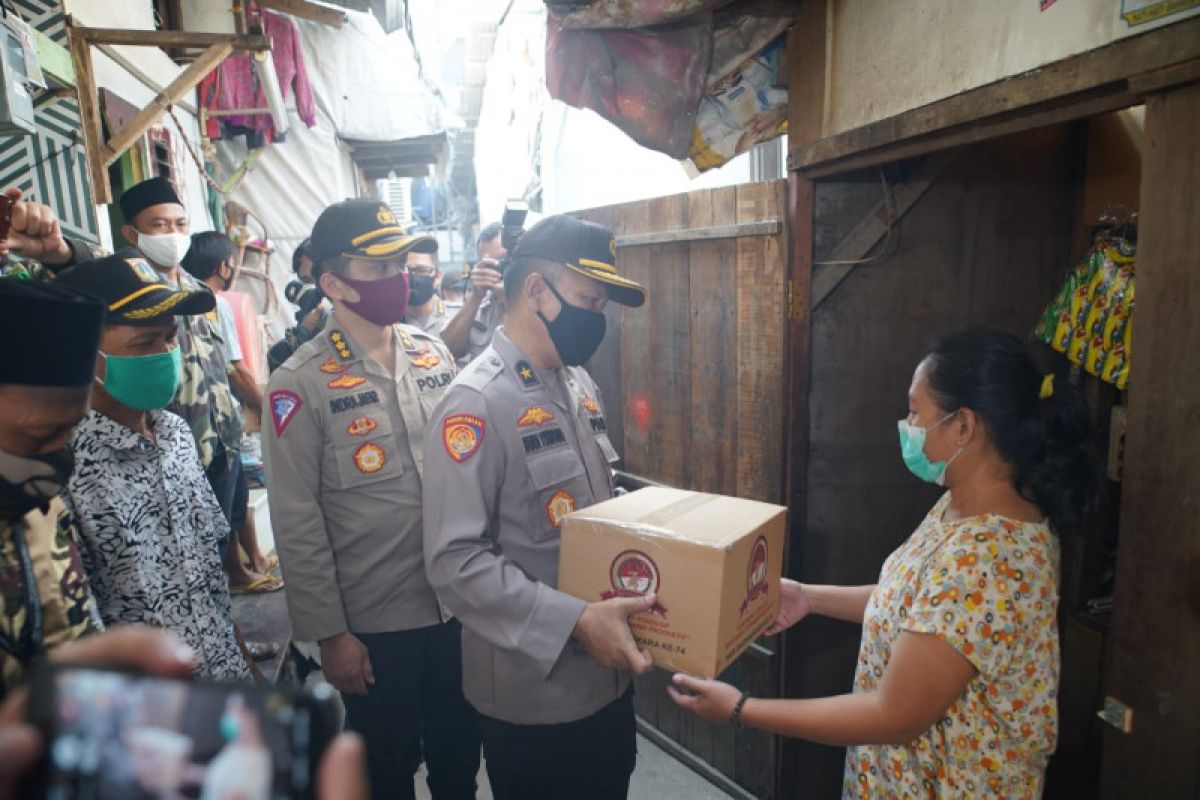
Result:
1090,83
301,8
185,82
768,227
169,39
89,114
873,227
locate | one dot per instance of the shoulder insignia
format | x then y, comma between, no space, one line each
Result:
346,382
534,415
369,458
561,504
406,341
462,435
525,374
340,345
590,405
332,367
361,426
426,359
284,405
480,372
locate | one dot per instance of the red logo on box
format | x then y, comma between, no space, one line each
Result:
634,574
756,574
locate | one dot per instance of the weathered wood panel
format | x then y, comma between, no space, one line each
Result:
1155,643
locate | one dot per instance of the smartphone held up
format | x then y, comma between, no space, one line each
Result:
115,734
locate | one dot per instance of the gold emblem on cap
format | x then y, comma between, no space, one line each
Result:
143,270
385,216
612,248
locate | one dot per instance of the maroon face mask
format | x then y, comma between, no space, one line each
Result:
383,301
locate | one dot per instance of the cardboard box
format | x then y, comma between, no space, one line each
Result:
714,563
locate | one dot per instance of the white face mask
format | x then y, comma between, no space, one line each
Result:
165,249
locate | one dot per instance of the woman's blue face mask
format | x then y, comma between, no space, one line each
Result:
912,448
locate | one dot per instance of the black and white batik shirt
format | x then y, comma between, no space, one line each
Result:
150,525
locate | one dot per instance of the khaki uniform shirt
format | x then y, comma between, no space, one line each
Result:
342,443
510,452
436,321
48,543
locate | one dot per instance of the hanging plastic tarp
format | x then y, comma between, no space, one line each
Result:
691,89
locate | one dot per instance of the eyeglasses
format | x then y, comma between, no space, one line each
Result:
422,272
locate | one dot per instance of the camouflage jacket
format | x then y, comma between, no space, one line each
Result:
205,399
59,602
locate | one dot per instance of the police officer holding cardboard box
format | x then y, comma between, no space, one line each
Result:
518,442
344,470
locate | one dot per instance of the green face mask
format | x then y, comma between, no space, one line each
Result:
143,382
912,448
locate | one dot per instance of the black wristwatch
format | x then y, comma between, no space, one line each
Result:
736,716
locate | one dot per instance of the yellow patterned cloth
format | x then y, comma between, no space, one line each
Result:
988,587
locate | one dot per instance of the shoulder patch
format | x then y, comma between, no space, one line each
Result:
284,405
462,435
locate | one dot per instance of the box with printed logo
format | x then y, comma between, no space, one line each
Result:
712,562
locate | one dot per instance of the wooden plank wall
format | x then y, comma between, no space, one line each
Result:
694,390
694,379
1155,644
988,244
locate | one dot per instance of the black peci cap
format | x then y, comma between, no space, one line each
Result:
584,247
151,192
53,331
134,292
362,228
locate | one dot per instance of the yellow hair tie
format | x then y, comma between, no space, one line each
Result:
1047,387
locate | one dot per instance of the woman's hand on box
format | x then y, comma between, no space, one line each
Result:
794,605
708,699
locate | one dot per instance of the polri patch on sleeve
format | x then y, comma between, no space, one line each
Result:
284,405
462,435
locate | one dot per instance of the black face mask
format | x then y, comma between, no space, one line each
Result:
576,332
27,482
420,289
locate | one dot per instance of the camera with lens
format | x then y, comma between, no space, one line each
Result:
512,224
303,295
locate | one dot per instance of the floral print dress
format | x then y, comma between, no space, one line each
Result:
988,587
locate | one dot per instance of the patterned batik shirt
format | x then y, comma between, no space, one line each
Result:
205,399
150,524
988,587
46,540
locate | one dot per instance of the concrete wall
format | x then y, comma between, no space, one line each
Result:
885,58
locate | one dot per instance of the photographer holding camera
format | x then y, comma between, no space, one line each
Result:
471,330
311,313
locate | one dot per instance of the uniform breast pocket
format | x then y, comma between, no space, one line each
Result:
364,452
559,482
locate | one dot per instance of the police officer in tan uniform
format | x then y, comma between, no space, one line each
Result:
426,309
344,460
517,442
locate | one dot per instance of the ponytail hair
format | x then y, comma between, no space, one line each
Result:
1043,438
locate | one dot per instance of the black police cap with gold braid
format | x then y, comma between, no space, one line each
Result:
362,228
53,334
134,291
586,248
